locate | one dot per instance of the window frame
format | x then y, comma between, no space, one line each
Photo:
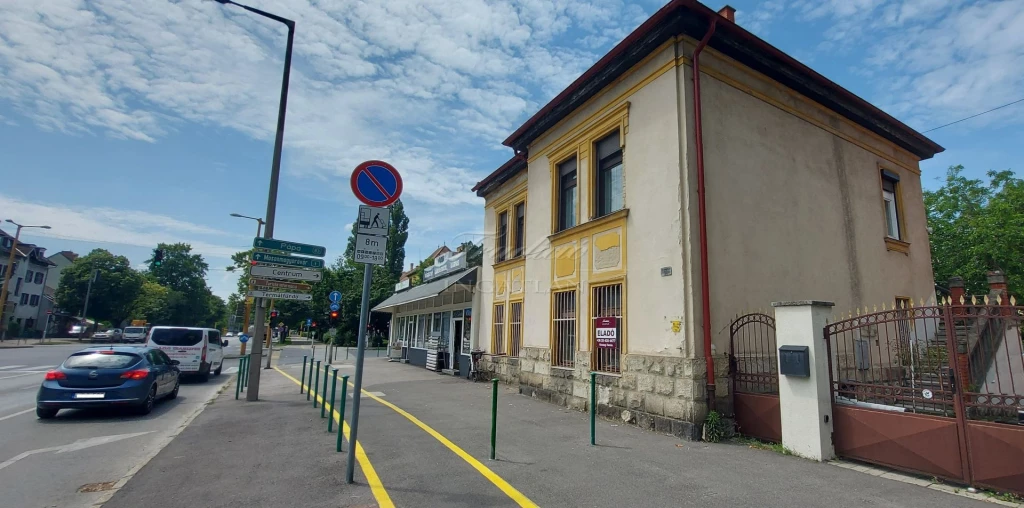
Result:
24,299
39,278
33,301
515,347
890,177
501,236
596,170
556,351
498,336
558,225
518,230
595,358
28,276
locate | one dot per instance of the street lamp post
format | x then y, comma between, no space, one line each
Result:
253,393
9,274
248,306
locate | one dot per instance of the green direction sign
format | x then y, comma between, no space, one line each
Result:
262,257
289,247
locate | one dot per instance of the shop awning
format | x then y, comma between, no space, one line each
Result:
428,290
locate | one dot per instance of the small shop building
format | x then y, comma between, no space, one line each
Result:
432,323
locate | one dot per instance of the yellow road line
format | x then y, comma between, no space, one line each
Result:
498,481
381,495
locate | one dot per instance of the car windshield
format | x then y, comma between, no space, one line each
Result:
101,360
176,336
134,330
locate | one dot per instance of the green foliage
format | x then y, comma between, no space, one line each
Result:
474,253
977,227
398,233
152,304
113,293
714,427
190,302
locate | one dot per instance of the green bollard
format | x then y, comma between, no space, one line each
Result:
309,382
341,413
334,386
593,406
494,415
245,373
323,406
346,352
316,387
303,374
238,382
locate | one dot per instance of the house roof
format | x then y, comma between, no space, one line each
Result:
428,290
501,175
70,256
691,18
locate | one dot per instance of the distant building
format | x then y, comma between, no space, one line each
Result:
60,260
28,280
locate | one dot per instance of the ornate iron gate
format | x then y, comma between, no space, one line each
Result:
937,390
754,368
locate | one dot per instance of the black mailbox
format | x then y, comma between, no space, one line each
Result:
794,361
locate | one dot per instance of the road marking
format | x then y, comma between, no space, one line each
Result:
376,487
39,368
231,370
11,367
21,375
12,415
80,444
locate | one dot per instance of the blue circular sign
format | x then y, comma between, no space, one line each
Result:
376,183
335,296
335,306
243,338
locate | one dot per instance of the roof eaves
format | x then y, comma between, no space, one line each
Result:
504,173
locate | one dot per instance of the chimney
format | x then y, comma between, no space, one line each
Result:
728,12
957,292
997,288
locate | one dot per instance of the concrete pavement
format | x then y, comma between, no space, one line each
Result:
426,437
45,463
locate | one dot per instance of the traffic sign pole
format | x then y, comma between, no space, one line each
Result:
364,310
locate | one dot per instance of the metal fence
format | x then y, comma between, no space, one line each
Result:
563,327
606,302
515,328
498,337
753,362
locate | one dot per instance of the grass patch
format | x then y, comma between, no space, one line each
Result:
757,444
1009,497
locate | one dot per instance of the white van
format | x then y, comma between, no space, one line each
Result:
134,334
199,351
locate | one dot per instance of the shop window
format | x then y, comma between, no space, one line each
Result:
421,330
400,331
567,193
606,302
467,327
608,174
498,333
564,328
410,330
515,328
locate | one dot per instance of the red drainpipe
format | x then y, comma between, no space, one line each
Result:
705,291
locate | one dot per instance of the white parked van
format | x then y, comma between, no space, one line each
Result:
199,351
133,334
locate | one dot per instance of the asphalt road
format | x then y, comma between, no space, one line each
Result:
46,463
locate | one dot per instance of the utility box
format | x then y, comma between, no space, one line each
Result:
795,361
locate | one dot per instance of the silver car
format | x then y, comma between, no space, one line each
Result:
111,335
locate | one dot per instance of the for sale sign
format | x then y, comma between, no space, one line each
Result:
606,332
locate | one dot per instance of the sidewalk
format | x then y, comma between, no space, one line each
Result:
271,453
427,437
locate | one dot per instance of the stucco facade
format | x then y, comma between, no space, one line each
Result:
794,211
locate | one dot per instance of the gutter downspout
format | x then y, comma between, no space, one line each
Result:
705,291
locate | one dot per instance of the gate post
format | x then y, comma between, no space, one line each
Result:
805,398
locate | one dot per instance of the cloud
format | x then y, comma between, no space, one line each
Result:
408,81
123,227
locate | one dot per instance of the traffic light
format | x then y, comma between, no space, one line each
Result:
314,324
158,257
334,314
273,314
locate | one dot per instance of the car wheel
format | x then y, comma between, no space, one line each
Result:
147,405
219,367
45,413
174,392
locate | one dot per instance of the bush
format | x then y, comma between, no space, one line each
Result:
714,427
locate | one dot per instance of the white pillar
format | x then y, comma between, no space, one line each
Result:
805,401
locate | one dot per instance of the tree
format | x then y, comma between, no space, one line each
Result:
398,233
184,274
113,292
153,304
474,253
976,228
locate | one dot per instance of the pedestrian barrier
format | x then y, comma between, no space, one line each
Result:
341,413
593,407
334,386
316,387
303,374
309,384
323,406
238,381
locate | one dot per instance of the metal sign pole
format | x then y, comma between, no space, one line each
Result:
364,310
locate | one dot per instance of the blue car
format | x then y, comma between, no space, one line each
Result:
129,376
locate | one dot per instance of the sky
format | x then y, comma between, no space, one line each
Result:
128,123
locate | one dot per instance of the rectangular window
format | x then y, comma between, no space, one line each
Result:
606,304
501,241
564,328
515,328
28,276
567,194
609,174
421,330
39,277
24,298
890,198
520,231
410,331
498,334
34,301
400,331
436,330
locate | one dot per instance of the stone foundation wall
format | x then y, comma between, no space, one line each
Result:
660,393
505,368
